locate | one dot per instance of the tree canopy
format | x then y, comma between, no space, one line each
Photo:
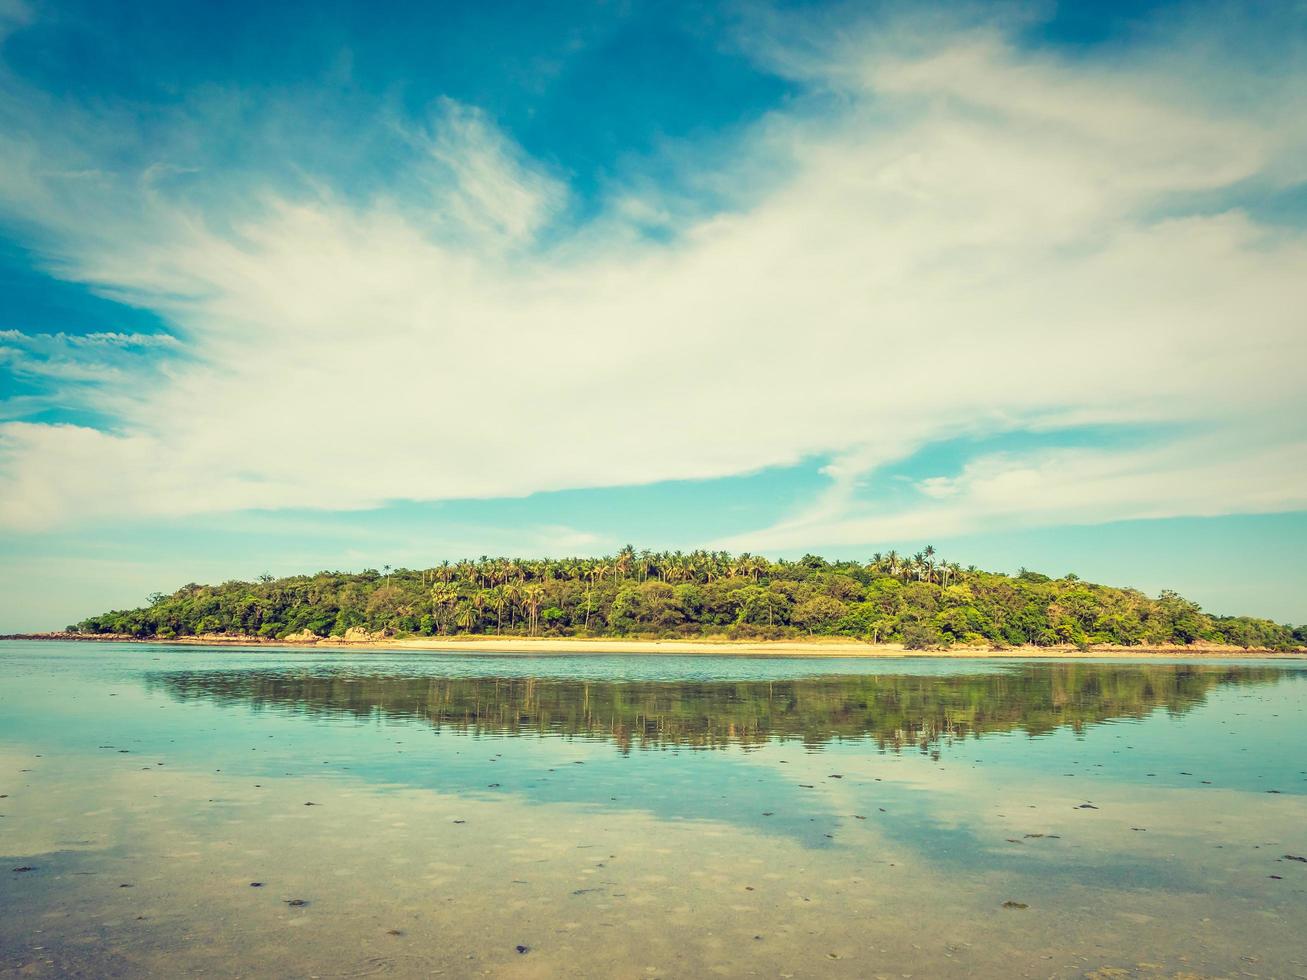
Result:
919,600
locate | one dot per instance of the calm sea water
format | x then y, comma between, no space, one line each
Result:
183,811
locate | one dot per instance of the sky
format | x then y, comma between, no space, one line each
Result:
295,286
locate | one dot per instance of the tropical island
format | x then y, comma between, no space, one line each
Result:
916,603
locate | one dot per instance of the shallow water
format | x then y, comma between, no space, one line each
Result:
646,817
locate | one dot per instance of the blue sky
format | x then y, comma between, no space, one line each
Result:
310,285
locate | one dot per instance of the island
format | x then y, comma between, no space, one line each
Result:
695,602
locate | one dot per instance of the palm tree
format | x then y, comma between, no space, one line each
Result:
496,596
510,594
442,595
534,597
467,617
622,565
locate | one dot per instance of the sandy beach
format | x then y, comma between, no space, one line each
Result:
608,646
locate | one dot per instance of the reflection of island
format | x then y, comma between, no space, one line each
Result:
896,711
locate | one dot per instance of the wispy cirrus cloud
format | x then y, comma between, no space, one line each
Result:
969,238
100,358
1207,476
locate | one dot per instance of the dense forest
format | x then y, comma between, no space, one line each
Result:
918,600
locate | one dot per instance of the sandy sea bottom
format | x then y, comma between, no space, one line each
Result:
429,817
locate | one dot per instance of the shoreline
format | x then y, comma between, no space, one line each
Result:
607,646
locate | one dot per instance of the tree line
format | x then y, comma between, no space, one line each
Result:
919,600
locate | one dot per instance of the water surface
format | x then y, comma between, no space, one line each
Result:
662,816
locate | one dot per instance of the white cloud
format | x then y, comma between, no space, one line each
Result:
78,357
971,244
1197,477
487,186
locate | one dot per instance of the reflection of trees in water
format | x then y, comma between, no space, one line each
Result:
896,711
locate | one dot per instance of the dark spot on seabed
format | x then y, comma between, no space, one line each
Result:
523,949
1015,905
1295,857
296,903
256,884
1086,806
25,867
